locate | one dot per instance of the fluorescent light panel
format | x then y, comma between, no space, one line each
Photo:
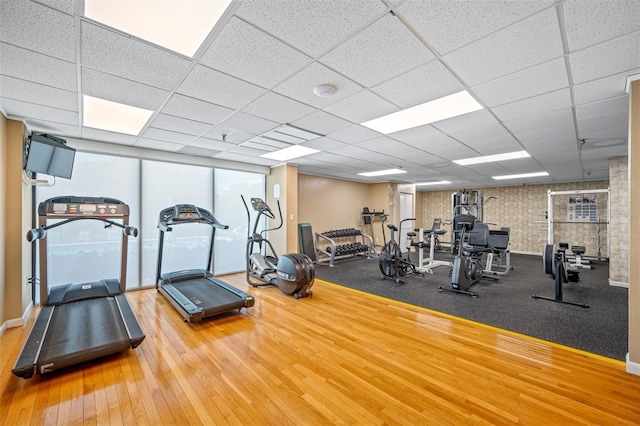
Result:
106,115
492,158
290,153
383,172
440,182
180,26
521,175
439,109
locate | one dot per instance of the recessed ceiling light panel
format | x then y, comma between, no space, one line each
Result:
290,153
383,172
521,175
492,158
439,109
440,182
112,116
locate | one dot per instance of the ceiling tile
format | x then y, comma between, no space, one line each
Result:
39,112
465,121
606,108
362,107
480,133
324,144
534,105
530,42
602,88
198,151
31,66
35,93
124,56
353,134
245,52
561,132
367,57
311,26
105,136
167,136
25,29
612,57
55,128
300,86
194,109
537,80
606,124
121,90
212,144
159,145
215,87
66,6
425,83
249,123
278,108
321,122
448,25
170,122
547,119
592,22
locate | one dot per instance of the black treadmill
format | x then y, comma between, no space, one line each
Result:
196,293
79,322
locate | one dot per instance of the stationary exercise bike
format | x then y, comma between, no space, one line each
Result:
392,262
292,273
467,269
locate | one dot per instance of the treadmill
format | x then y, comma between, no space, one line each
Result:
79,322
196,293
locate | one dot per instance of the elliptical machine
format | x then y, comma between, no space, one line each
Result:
467,269
292,273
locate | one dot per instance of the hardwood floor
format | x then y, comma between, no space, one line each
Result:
341,357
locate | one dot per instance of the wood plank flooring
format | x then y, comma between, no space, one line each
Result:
340,357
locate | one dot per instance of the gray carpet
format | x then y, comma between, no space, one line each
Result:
507,303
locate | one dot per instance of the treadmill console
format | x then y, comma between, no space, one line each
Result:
83,206
185,213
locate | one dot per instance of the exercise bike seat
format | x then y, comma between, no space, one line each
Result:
392,227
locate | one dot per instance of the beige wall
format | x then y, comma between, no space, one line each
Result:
284,240
634,226
17,221
3,210
523,209
619,242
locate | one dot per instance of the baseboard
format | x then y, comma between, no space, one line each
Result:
618,284
633,367
17,322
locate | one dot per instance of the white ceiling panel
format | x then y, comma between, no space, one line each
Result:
497,145
105,136
40,112
539,79
38,68
606,108
354,134
158,145
249,123
121,90
425,83
393,148
127,57
311,26
605,124
324,144
300,86
194,109
612,57
198,151
564,131
532,41
54,128
534,105
167,136
362,107
491,131
243,51
321,122
366,58
66,6
278,108
448,25
211,144
221,89
604,20
13,88
170,122
548,119
602,88
466,121
24,28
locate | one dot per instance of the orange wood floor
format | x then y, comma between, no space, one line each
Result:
340,357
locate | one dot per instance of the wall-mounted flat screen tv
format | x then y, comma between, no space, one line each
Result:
50,156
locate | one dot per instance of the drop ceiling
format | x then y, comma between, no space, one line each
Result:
550,76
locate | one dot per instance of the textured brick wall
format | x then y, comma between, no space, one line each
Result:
523,209
619,260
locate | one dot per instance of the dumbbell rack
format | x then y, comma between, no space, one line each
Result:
349,245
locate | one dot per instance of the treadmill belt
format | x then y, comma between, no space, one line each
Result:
80,331
209,296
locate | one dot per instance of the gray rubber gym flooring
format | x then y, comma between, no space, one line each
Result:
507,303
